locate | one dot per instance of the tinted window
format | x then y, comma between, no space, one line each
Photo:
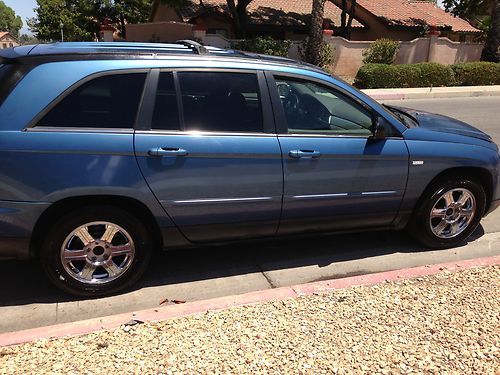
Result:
104,102
312,108
226,102
166,113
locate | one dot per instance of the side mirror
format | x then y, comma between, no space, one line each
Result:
380,127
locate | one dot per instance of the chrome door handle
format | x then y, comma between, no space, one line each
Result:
167,151
304,154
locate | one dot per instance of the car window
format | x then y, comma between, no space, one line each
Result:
105,102
166,113
311,108
221,101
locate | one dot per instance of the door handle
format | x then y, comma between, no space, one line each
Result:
167,151
304,154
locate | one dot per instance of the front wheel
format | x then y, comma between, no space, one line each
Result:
448,213
96,251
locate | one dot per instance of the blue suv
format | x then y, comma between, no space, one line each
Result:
111,150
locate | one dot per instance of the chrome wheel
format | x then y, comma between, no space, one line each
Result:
97,252
452,213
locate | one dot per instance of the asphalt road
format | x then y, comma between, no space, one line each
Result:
27,300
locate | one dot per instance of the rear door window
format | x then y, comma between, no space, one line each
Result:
105,102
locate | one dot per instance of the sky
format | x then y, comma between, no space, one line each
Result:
24,8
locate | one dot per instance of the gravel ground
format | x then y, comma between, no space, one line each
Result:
448,323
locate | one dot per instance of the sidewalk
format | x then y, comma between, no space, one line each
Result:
433,92
445,321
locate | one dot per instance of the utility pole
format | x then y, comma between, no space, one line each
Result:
61,25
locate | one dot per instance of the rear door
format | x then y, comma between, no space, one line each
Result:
209,153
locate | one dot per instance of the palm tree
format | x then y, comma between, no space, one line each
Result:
315,43
491,51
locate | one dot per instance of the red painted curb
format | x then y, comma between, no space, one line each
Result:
221,303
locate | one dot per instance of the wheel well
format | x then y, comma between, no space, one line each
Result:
63,206
479,174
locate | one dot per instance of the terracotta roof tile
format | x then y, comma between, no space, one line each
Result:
415,13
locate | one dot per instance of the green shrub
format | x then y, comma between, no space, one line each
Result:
264,45
434,74
326,55
374,76
477,73
382,51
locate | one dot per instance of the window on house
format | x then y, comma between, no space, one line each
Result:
221,101
4,45
166,113
104,102
311,108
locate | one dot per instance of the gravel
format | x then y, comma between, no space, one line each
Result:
447,323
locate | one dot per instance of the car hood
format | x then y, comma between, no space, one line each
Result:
444,124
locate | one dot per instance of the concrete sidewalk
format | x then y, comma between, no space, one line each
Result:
433,92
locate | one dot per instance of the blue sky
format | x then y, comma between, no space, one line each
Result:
24,8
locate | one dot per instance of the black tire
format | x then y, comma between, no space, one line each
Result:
51,248
420,226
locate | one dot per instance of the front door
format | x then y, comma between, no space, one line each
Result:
211,157
335,176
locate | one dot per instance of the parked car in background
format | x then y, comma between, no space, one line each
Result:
109,151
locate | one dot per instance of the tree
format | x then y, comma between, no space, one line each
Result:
9,21
28,39
491,50
346,17
315,42
237,9
81,19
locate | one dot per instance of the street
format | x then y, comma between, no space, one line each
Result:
27,299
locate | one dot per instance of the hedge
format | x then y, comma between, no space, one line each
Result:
372,76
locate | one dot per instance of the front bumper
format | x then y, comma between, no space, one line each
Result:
17,221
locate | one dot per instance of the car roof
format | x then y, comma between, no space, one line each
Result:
127,50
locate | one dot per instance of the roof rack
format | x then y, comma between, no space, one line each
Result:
195,46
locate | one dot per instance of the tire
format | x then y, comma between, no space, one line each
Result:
108,250
451,222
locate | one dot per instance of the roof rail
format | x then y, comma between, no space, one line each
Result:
195,46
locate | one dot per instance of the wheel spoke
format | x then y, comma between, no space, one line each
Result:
87,272
109,234
121,250
84,235
111,268
448,198
438,212
70,255
467,212
440,227
455,228
464,198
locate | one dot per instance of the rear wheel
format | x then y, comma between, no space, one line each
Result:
96,251
449,212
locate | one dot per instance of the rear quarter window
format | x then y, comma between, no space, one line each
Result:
10,75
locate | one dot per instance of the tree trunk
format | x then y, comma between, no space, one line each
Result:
238,12
316,34
351,17
491,51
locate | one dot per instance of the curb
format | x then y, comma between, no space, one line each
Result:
433,92
222,303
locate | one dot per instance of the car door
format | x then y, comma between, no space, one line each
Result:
210,154
336,176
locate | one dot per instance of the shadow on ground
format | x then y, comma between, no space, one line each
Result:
24,282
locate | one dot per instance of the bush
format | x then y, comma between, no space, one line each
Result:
477,73
264,45
327,53
373,76
382,51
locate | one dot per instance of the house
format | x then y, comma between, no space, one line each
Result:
289,19
7,40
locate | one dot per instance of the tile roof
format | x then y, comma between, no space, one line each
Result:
3,33
415,13
276,12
